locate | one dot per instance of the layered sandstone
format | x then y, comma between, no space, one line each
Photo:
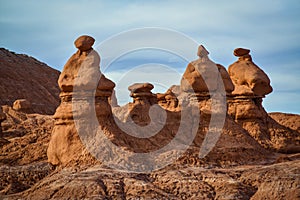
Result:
81,84
251,85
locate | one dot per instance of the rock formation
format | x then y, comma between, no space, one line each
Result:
80,80
169,100
24,77
228,85
248,78
248,161
143,99
23,146
251,85
204,81
200,75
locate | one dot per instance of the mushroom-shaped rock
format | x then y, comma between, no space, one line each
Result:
248,78
84,43
141,93
83,90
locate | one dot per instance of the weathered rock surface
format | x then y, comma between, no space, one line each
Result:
251,85
23,77
27,137
82,85
200,75
291,121
228,85
247,77
84,43
169,100
23,146
277,181
22,105
2,118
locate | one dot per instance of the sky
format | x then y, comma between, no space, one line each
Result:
46,30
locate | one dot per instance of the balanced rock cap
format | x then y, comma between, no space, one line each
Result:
241,52
141,87
84,43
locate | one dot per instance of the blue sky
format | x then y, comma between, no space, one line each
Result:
270,28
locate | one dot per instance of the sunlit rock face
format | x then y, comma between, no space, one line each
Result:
251,85
247,77
81,84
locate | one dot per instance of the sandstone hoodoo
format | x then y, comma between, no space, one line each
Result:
200,75
203,81
173,138
143,99
80,80
251,85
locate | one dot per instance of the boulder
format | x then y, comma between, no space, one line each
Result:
22,105
84,43
241,52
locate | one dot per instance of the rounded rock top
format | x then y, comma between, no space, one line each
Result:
84,42
241,52
141,87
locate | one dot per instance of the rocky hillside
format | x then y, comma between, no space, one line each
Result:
24,77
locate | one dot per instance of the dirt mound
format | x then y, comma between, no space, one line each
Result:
23,77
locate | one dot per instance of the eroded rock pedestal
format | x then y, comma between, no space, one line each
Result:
203,81
80,81
245,106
